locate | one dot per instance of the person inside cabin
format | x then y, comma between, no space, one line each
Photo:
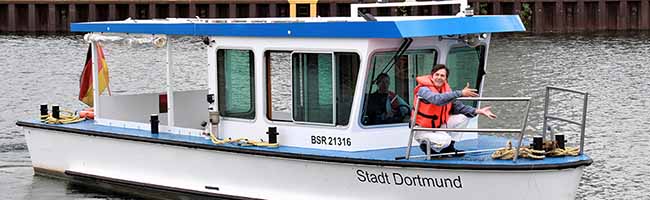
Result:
384,106
439,109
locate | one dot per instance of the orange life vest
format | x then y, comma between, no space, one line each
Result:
430,115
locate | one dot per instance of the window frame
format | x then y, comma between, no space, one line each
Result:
253,84
335,69
268,105
481,68
365,79
333,82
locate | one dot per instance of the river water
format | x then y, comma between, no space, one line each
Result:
613,68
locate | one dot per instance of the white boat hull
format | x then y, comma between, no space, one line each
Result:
269,177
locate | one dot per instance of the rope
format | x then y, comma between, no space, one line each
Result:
507,153
65,117
242,142
552,150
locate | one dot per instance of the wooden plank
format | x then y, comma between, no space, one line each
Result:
112,12
172,10
132,11
645,14
602,15
212,11
232,10
51,17
560,16
192,10
273,10
496,8
11,17
333,10
92,12
538,20
152,11
252,10
580,15
623,16
31,17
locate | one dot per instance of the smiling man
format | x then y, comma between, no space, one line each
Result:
439,108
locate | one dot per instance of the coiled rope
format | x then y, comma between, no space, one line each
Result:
242,142
551,150
65,117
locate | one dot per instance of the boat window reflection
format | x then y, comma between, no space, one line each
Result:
389,89
310,87
236,83
466,65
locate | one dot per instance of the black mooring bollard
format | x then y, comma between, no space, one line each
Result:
154,123
559,138
538,141
56,112
273,135
44,111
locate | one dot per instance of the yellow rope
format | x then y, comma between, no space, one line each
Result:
242,142
65,117
567,151
508,152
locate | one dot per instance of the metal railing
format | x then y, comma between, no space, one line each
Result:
354,8
582,122
520,131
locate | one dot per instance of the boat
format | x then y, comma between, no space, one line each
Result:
286,114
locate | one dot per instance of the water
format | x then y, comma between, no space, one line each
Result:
614,69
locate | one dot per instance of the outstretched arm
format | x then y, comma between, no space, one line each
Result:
460,108
485,111
438,98
445,98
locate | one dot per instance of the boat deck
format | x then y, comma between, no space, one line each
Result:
375,157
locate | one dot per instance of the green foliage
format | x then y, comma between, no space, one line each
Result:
402,11
526,14
482,8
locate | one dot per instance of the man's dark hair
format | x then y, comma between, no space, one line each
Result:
381,76
439,67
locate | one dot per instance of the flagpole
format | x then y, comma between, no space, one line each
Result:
95,71
170,90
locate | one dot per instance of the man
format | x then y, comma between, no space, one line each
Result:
439,101
384,106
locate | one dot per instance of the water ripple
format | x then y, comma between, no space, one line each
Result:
614,69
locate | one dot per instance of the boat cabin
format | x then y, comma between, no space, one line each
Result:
326,83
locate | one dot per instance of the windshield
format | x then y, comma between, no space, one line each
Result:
389,87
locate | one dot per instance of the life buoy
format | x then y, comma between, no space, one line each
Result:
88,113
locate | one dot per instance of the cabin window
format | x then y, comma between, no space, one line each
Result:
235,74
466,66
390,83
310,87
313,87
278,87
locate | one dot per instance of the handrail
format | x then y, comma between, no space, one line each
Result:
583,121
354,8
520,131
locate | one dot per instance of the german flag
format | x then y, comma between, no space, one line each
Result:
86,79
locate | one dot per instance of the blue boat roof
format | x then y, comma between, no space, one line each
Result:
390,27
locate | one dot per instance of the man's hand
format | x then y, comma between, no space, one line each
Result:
469,92
485,111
